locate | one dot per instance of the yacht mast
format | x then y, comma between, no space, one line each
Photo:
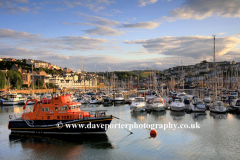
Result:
182,75
214,64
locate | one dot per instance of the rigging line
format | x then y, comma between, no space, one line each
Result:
124,128
128,122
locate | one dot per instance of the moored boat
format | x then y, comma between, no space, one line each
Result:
61,116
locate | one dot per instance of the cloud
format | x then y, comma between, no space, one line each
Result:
197,47
98,20
8,33
143,25
201,9
58,43
143,3
17,6
104,31
81,24
94,5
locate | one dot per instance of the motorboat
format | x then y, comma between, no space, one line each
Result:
198,105
158,104
182,95
235,105
21,99
188,104
139,104
61,116
107,100
95,100
131,98
84,99
218,107
11,99
177,104
207,98
119,98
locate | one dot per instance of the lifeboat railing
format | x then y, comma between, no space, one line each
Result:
97,113
15,116
28,121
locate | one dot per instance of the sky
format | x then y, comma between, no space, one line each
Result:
123,34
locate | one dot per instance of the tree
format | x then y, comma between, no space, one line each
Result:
39,83
2,79
15,78
49,85
204,61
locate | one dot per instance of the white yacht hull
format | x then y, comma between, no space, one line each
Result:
198,108
177,108
95,101
9,103
158,107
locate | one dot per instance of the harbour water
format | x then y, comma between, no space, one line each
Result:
217,138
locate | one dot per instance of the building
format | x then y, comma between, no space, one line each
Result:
16,67
40,64
26,77
41,73
29,61
66,70
9,59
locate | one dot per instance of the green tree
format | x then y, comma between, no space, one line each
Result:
39,83
15,78
2,79
49,85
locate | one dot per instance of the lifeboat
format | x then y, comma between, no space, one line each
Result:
61,115
45,100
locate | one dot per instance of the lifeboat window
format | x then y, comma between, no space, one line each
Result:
65,108
73,107
56,108
47,109
58,117
60,108
43,109
69,108
77,107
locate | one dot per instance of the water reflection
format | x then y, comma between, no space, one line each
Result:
199,116
141,116
218,115
159,114
32,141
177,115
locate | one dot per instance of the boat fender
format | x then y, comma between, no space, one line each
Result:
10,117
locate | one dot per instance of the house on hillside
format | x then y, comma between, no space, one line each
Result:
39,64
9,59
16,67
26,77
41,73
29,61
